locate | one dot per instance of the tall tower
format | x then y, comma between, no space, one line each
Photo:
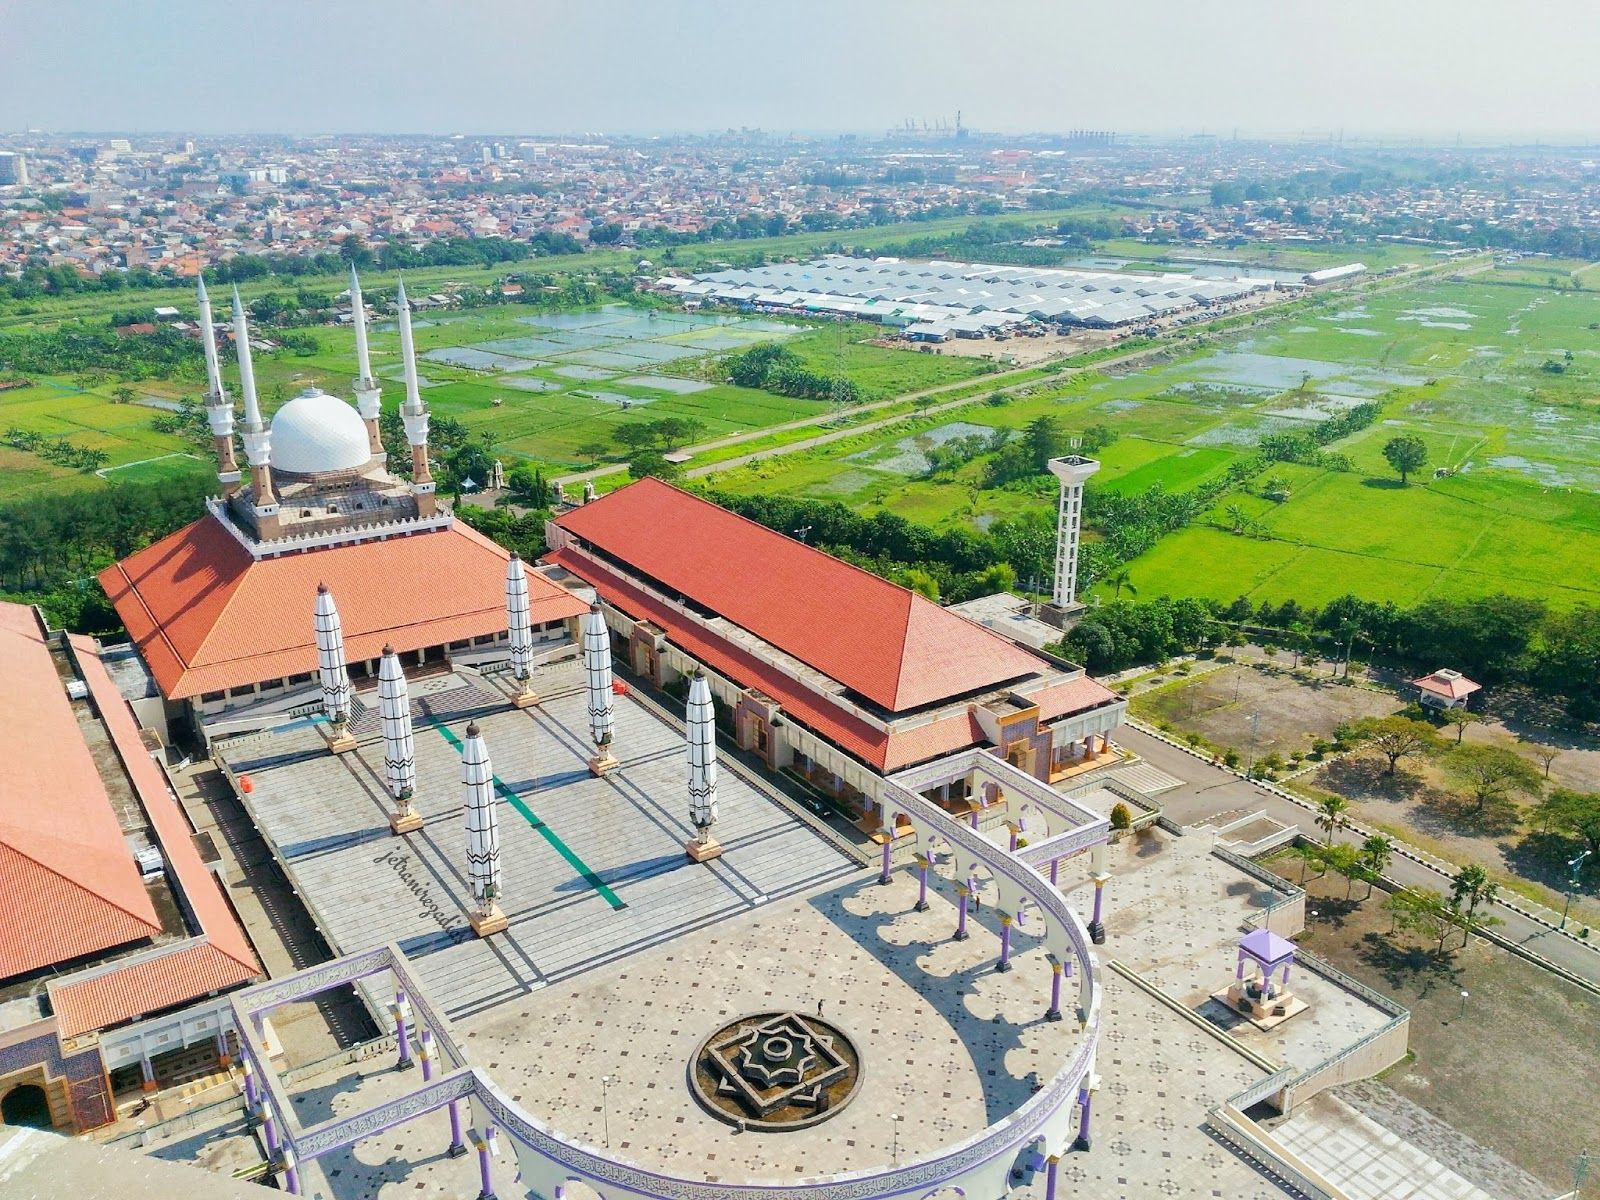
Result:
257,435
1073,471
369,398
219,409
415,415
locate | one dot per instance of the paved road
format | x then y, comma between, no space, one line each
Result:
1209,791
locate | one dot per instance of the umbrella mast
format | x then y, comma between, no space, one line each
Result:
331,673
702,734
399,750
483,834
597,683
519,630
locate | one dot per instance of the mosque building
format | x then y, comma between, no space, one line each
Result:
214,610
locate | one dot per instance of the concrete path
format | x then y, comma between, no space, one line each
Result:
1210,791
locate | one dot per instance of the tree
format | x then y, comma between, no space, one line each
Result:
1406,453
1310,855
122,394
1461,718
654,464
1575,812
1122,578
1471,887
921,582
1394,737
1491,773
1423,911
1121,817
1331,815
1545,753
592,452
1346,860
1376,852
635,435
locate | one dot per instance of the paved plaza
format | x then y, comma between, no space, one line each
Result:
594,869
1355,1153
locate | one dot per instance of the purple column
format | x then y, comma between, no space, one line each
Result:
1083,1120
888,846
1097,930
922,886
457,1146
1054,863
291,1175
1239,971
269,1135
1013,846
1005,944
483,1164
401,1035
1053,1013
973,816
1050,1177
961,914
251,1096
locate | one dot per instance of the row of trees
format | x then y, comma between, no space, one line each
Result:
57,450
776,368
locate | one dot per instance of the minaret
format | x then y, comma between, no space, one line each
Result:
483,834
1073,471
219,409
519,632
597,684
415,415
369,398
257,436
331,672
399,749
702,735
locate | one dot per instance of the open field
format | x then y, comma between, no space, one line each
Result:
1501,383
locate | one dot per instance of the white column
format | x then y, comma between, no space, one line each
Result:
219,409
1073,471
369,398
519,631
597,685
414,414
702,735
483,833
257,435
331,670
399,748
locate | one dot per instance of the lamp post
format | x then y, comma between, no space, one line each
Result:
894,1126
1573,867
605,1108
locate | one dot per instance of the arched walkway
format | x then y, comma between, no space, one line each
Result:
26,1104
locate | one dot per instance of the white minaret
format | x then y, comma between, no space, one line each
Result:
1073,471
415,414
330,670
257,435
219,409
702,736
369,398
399,749
597,685
519,631
483,834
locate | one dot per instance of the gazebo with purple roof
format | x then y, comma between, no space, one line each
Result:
1269,952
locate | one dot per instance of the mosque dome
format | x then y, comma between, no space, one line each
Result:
317,433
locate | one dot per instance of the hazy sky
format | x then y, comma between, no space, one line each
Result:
1479,67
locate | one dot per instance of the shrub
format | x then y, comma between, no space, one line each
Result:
1231,758
1121,817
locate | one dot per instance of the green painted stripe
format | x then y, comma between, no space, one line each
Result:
544,831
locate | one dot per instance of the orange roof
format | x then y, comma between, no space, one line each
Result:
174,975
898,649
206,616
68,883
1075,695
1452,685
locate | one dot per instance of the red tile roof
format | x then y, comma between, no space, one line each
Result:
68,883
1074,695
1451,685
175,975
206,616
896,648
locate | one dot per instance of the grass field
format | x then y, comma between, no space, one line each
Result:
1500,382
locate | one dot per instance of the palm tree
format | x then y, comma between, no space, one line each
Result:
1331,815
1472,885
1237,517
1122,579
1376,852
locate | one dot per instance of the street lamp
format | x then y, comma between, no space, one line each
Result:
894,1125
1573,867
1463,1002
605,1108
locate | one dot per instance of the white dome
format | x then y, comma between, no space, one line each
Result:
316,432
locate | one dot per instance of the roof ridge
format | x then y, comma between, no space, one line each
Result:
73,883
905,640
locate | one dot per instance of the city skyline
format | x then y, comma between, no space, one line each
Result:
1430,71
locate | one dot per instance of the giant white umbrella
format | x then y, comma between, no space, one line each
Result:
519,631
331,671
483,833
597,685
399,749
702,734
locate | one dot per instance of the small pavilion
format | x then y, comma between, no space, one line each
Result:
1254,994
